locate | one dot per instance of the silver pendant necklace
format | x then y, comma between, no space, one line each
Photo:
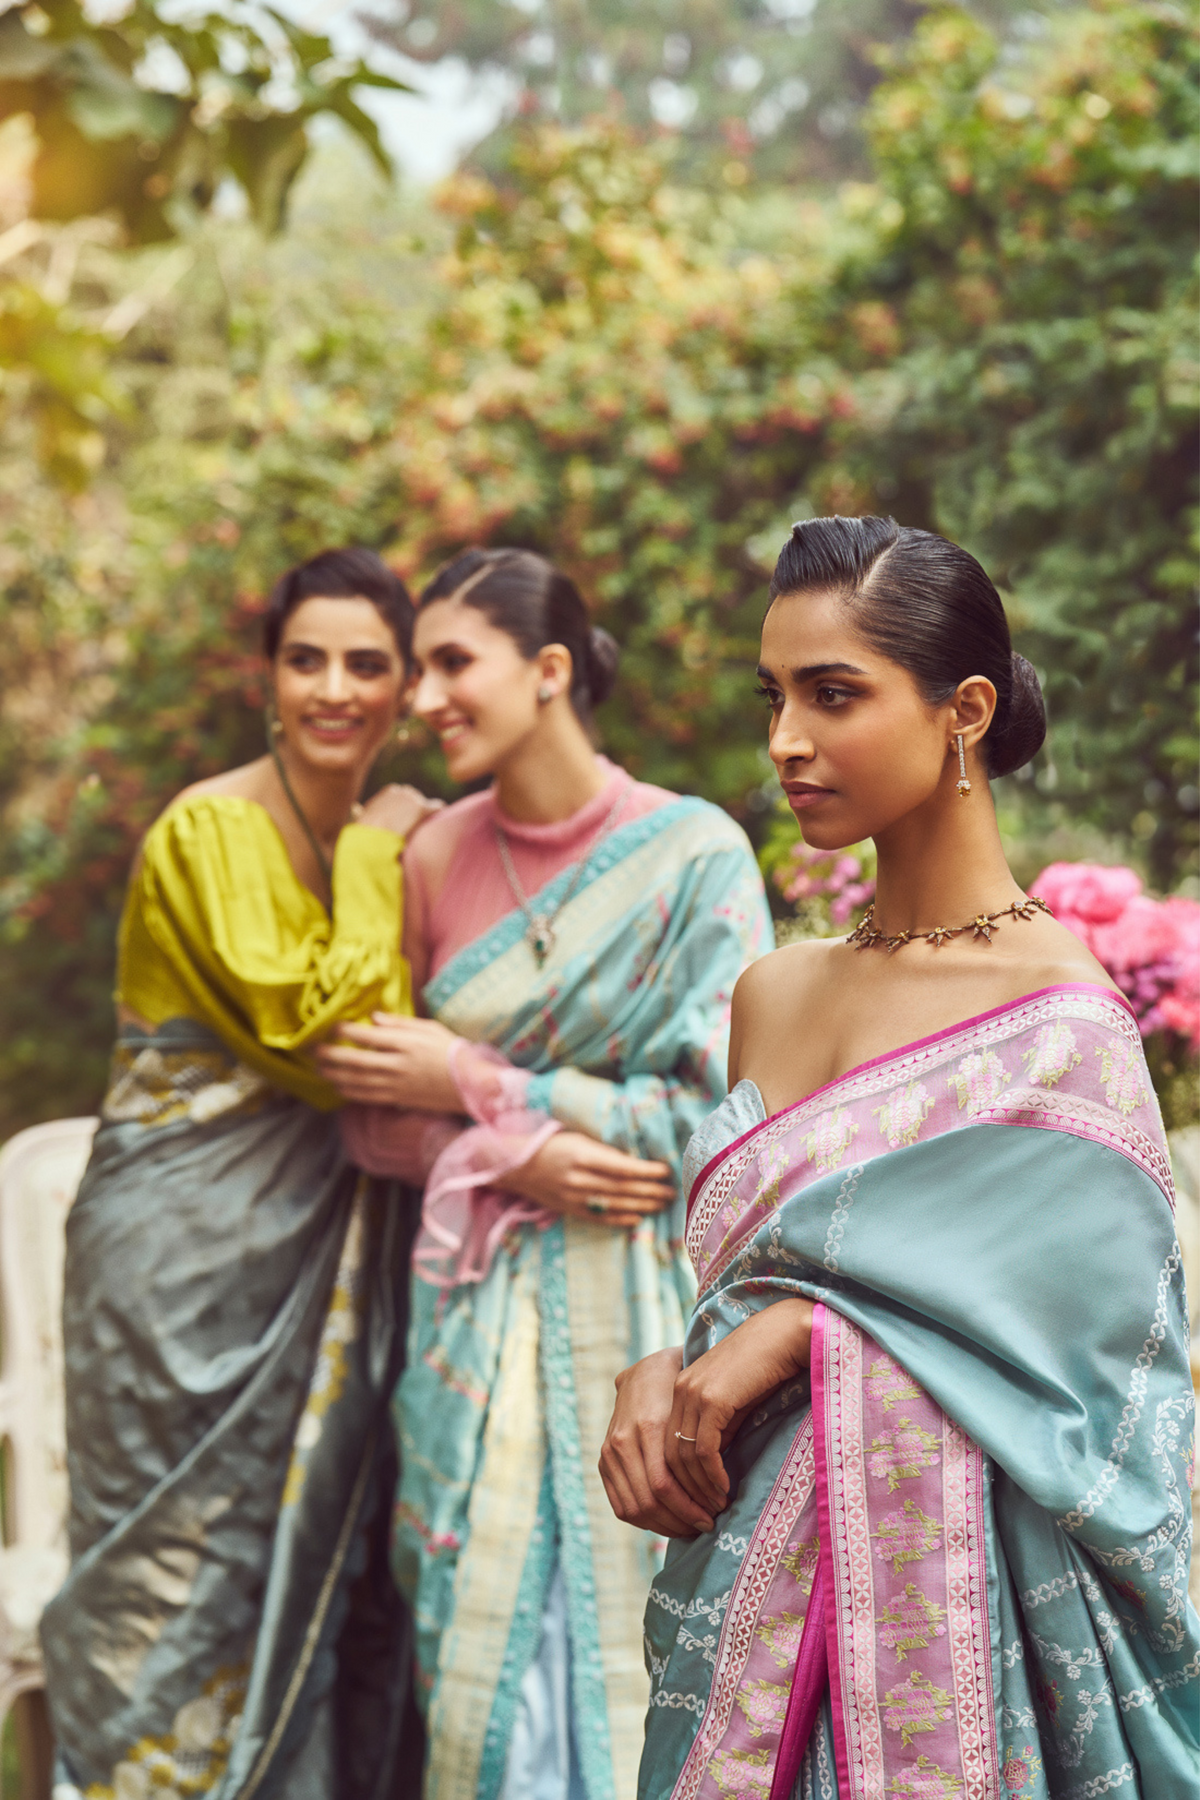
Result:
539,926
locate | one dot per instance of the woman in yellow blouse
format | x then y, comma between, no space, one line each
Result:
232,1309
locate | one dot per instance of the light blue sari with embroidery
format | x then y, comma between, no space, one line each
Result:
955,1562
505,1540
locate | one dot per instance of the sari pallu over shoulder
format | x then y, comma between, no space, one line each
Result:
508,1391
995,1505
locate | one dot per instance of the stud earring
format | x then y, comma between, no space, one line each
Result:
544,693
962,784
403,734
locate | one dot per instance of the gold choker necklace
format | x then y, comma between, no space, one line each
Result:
867,936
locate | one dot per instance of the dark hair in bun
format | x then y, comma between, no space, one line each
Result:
929,606
521,593
350,574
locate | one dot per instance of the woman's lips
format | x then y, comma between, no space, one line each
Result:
803,794
333,728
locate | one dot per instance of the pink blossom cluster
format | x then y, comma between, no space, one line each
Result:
1151,948
818,874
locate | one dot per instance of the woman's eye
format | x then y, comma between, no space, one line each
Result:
303,660
769,694
368,668
833,696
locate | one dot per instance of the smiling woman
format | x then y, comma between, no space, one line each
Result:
575,936
234,1293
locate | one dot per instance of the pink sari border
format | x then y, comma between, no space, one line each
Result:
903,1554
874,1062
821,1457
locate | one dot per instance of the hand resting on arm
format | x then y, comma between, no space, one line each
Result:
660,1481
406,1063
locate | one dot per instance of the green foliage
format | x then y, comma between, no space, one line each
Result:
142,120
1026,357
147,115
756,89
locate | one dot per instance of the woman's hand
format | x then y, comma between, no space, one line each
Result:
713,1396
641,1488
585,1179
394,1061
398,808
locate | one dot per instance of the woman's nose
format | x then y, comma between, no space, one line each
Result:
790,742
335,680
425,696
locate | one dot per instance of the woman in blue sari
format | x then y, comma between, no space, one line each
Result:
575,936
232,1289
927,1450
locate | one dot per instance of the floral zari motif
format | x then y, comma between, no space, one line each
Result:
903,1500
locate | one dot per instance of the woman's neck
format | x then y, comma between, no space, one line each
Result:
551,775
942,866
325,799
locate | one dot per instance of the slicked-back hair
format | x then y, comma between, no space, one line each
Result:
348,574
522,594
927,605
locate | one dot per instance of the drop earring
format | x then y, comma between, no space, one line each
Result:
274,723
962,784
403,733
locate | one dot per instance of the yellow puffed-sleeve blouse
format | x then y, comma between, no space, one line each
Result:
218,928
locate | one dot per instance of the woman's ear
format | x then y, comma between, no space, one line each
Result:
555,670
972,709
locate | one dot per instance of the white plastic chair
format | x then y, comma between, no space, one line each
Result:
40,1171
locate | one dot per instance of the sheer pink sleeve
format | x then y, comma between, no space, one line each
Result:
385,1141
465,1215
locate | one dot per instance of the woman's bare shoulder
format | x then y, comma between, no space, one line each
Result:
244,783
1052,956
789,975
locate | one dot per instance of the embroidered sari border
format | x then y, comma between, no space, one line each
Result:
877,1062
908,1633
501,937
792,1491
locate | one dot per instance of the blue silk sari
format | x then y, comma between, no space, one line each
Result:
955,1563
509,1387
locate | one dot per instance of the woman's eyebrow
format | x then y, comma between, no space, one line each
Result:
811,671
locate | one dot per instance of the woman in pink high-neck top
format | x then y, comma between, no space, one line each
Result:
575,936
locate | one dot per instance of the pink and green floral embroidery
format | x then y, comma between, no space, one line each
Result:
915,1704
830,1138
782,1638
901,1453
800,1560
910,1622
743,1774
764,1704
1052,1055
888,1385
1121,1070
1049,1697
1135,1596
924,1780
978,1080
773,1165
903,1113
1019,1770
905,1536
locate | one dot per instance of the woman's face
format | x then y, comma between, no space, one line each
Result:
339,682
856,746
473,687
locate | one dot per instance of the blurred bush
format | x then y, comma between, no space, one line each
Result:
591,358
